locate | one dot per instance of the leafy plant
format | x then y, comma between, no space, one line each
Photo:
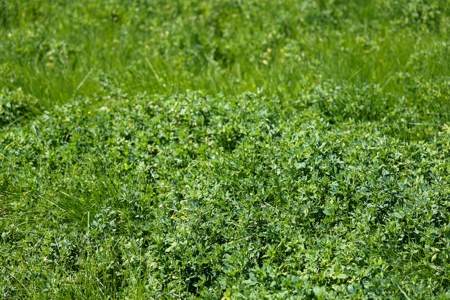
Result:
15,105
224,149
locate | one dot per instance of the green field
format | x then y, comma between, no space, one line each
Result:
225,149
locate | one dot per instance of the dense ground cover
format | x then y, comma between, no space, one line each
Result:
225,149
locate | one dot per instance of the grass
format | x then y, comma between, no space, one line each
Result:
224,149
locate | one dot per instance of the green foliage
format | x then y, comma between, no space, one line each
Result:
224,149
56,49
199,196
15,105
421,13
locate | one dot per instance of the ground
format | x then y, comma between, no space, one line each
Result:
225,149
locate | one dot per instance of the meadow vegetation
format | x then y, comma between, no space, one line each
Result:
225,149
